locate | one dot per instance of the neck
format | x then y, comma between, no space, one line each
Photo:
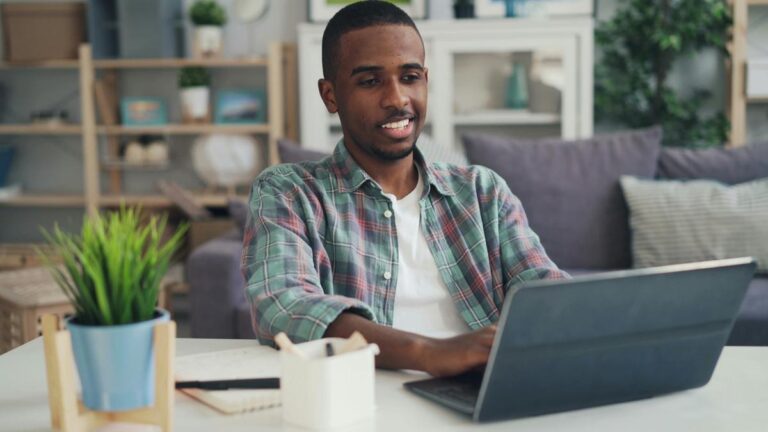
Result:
397,177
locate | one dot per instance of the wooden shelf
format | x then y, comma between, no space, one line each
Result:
178,63
39,129
505,117
182,129
35,200
126,166
212,200
48,64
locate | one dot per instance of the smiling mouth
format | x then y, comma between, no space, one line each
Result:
402,124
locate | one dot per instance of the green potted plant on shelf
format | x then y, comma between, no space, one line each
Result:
194,88
111,273
640,49
208,18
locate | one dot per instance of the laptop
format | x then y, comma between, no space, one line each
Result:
601,339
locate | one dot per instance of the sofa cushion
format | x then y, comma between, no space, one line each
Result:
677,221
570,189
292,152
729,166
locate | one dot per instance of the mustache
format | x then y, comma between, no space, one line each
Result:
399,115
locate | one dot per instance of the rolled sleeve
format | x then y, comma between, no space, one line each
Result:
522,253
283,260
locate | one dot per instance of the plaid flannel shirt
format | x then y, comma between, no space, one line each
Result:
319,241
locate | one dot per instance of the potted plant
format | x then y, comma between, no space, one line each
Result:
640,49
194,83
111,273
208,18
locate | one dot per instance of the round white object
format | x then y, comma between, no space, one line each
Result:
226,160
250,10
157,153
134,153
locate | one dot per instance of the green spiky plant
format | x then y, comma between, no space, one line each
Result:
640,46
207,12
194,76
112,270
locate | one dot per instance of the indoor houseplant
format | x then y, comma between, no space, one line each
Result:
111,273
641,45
194,83
208,18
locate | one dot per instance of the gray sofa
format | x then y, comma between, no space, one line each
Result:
572,198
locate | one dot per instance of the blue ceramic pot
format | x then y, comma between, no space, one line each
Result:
116,363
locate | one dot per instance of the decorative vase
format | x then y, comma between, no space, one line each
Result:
517,88
195,104
208,41
116,364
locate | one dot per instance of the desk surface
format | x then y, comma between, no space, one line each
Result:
735,400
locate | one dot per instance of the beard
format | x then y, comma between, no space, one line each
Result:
389,155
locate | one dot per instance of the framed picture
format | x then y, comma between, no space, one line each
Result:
557,7
143,111
240,106
490,8
323,10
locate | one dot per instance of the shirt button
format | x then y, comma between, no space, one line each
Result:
387,275
388,214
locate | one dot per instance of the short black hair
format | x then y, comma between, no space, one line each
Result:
357,16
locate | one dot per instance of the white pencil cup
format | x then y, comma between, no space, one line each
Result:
320,392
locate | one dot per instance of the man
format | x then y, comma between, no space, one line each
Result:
417,257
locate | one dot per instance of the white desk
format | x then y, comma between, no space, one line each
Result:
735,400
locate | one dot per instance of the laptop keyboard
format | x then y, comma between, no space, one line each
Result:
459,392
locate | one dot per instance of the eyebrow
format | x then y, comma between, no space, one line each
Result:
363,69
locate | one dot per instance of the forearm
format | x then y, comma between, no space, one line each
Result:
399,349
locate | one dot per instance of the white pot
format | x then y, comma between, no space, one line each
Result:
208,41
195,102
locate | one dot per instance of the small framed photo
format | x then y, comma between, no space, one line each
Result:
550,8
240,106
323,10
490,8
143,111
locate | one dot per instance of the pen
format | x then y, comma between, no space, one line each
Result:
250,383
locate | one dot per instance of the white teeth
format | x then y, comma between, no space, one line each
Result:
396,125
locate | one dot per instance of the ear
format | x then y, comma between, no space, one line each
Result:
426,74
328,95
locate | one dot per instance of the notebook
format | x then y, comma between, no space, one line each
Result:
252,362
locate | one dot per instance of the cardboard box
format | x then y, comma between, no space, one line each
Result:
42,31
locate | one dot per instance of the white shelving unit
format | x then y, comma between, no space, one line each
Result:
468,62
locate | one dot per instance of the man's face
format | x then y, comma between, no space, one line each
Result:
379,91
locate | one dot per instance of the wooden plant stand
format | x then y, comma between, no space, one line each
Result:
68,414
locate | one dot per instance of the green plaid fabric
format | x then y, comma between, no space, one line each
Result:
318,242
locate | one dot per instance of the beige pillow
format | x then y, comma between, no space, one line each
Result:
684,221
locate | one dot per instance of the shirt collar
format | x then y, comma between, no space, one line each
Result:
350,176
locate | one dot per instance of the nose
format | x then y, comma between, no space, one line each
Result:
394,96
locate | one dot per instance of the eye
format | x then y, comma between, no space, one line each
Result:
369,82
411,77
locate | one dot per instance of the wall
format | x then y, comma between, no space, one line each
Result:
50,164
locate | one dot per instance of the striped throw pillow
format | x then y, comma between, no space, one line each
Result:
684,221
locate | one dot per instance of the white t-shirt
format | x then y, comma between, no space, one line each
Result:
423,304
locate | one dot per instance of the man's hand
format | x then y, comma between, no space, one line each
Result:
403,350
459,354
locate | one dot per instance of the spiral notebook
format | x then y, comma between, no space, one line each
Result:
253,362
